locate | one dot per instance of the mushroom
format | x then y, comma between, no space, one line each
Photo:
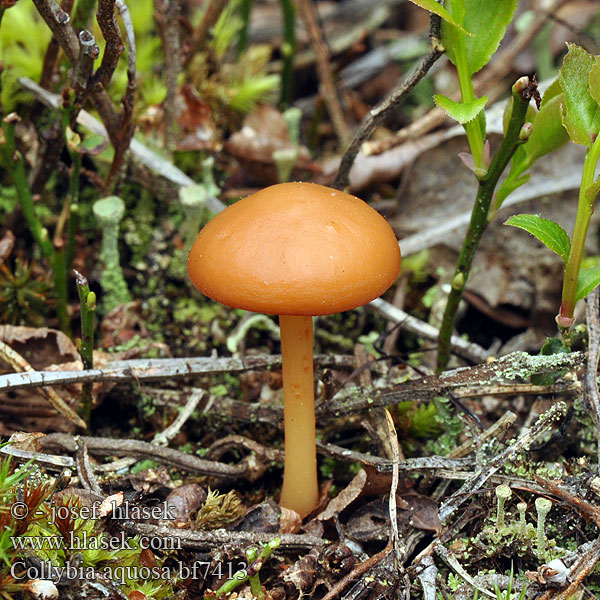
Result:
296,250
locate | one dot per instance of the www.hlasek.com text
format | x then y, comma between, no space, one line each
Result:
83,541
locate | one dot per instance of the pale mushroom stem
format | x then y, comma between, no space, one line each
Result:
300,490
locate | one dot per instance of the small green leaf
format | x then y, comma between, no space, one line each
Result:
548,132
486,21
594,81
551,234
552,90
580,111
460,111
588,280
439,10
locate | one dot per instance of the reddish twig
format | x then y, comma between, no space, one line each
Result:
51,55
114,43
327,87
125,134
378,114
198,39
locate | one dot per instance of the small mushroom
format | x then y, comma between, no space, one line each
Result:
296,250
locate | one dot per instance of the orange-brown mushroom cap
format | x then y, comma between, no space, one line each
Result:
295,249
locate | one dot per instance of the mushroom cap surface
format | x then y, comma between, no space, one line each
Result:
295,249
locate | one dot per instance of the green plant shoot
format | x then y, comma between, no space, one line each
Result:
574,106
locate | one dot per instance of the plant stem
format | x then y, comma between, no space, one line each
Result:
244,575
14,163
245,8
288,48
87,301
475,135
585,208
522,91
255,587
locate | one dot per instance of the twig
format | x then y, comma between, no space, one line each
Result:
18,363
51,55
476,482
145,156
162,438
139,449
170,8
453,562
158,368
123,138
357,572
579,571
591,398
469,350
58,22
84,468
427,575
378,114
327,88
47,460
198,39
82,71
114,43
205,540
395,536
497,429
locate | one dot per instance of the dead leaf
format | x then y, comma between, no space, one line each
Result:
109,504
264,131
184,501
290,521
26,441
345,498
7,244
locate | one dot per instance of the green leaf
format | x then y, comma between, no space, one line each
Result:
486,20
588,280
594,81
580,112
548,132
551,234
460,111
552,91
439,10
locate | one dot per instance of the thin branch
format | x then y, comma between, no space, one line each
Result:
17,362
146,158
124,136
51,55
591,398
478,480
205,540
143,450
469,350
378,114
82,71
169,21
198,39
58,22
327,88
156,369
114,43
